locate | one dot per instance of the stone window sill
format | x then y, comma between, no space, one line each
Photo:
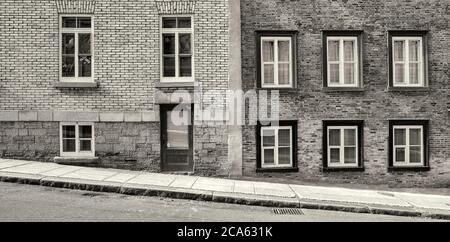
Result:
76,160
408,89
342,89
76,84
410,168
343,169
176,84
292,169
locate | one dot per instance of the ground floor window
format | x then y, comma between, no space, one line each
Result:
277,145
77,140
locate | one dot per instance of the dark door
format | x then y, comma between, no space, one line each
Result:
176,138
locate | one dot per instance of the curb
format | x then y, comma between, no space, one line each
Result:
209,196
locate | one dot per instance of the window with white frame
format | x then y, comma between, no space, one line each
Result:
408,61
276,62
408,146
276,147
342,146
342,61
177,48
77,140
76,48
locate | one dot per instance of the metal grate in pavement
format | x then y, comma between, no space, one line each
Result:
287,211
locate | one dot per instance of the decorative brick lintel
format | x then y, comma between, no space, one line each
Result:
76,6
175,7
78,116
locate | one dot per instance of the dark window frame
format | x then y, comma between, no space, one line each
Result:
359,34
276,33
294,168
425,124
408,33
328,123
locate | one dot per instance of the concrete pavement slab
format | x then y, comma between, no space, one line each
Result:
121,177
244,187
153,179
33,168
211,184
12,163
184,181
425,201
89,174
271,189
61,171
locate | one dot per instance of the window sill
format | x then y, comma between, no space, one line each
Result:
409,89
176,84
280,89
76,84
75,160
292,169
342,89
343,169
409,168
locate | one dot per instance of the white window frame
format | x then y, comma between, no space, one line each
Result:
276,147
177,31
342,147
407,146
76,31
276,62
77,152
406,62
342,61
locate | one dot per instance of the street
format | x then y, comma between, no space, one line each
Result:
20,203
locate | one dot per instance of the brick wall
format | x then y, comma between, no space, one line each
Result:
376,105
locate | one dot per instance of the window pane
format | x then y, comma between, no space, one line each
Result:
333,50
268,138
84,66
283,51
85,145
69,22
350,137
349,54
84,43
398,51
68,44
185,43
68,131
268,74
283,74
350,155
415,137
69,145
335,137
169,44
414,73
84,22
400,73
415,154
68,66
269,156
186,66
335,155
284,156
414,50
400,155
85,132
284,137
334,73
268,51
349,73
177,134
169,67
169,22
184,22
400,136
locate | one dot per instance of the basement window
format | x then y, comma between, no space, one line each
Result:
77,140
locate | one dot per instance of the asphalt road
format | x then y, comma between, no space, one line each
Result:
35,203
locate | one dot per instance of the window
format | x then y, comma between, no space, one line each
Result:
277,145
76,41
343,144
408,143
407,58
276,58
177,49
77,140
342,58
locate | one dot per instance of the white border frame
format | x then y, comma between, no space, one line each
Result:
176,31
77,152
407,146
77,31
356,77
406,62
276,147
275,63
342,146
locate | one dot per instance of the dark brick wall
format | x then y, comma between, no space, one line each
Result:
309,104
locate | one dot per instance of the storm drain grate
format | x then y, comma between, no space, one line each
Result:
287,211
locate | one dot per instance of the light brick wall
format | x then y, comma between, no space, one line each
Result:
376,105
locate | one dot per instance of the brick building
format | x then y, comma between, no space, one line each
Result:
364,89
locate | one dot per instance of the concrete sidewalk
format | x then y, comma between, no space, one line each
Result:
224,190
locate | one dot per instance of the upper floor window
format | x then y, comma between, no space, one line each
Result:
276,59
76,41
177,49
407,58
342,62
77,140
